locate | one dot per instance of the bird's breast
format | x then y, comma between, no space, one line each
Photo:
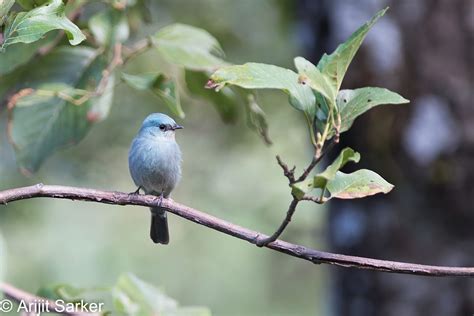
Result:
155,164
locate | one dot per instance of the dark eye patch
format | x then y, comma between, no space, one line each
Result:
162,127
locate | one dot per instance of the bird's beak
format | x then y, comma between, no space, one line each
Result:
177,127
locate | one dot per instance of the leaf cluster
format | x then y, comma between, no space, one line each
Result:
129,296
56,97
315,90
59,68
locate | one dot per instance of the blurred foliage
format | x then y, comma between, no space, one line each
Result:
55,99
77,242
129,296
50,119
159,85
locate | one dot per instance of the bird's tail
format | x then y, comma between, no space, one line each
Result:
159,226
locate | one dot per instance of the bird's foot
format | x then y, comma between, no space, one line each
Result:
160,199
137,192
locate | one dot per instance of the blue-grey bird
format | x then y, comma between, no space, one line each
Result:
154,161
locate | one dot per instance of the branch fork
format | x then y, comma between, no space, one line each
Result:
290,174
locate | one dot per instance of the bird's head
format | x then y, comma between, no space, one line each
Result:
159,124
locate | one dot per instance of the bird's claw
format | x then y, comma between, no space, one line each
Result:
137,192
160,199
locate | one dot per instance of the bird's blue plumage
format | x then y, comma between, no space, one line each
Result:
154,161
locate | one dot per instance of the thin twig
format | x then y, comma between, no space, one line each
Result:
315,199
137,49
314,256
316,159
289,173
260,242
106,74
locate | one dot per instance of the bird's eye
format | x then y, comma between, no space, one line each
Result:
162,127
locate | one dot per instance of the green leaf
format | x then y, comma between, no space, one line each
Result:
133,296
263,76
335,65
8,82
5,6
257,119
226,102
19,54
65,292
72,294
141,82
109,27
322,113
28,27
30,4
353,103
160,86
346,155
301,188
321,180
310,74
42,123
356,185
188,46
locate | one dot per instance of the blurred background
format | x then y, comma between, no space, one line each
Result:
420,49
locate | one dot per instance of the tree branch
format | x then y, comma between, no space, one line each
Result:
18,296
260,242
290,174
315,256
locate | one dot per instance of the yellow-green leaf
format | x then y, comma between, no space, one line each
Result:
264,76
356,185
353,103
346,155
310,75
189,46
28,27
5,6
336,64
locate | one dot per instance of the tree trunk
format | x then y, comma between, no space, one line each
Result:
424,51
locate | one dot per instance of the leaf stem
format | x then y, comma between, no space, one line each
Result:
138,48
322,139
311,130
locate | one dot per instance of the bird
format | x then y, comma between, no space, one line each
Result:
154,161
